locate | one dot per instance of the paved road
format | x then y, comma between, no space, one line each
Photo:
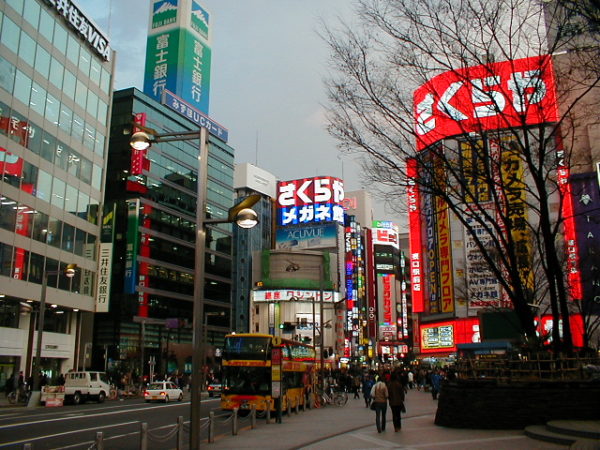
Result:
75,427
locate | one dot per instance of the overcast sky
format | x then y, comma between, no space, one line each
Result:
268,66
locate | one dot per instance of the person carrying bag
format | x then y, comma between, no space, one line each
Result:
396,395
379,394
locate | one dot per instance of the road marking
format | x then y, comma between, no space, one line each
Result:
83,416
50,436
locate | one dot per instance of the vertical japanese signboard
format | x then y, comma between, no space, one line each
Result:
276,362
416,246
178,52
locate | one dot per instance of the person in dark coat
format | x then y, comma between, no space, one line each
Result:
379,394
367,384
396,397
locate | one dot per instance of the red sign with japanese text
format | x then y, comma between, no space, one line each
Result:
486,97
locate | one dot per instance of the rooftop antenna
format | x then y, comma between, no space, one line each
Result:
256,150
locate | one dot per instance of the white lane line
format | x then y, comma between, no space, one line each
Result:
86,416
380,443
50,436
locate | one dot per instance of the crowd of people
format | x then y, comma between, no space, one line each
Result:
384,387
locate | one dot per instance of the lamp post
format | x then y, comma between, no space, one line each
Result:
36,394
242,214
205,340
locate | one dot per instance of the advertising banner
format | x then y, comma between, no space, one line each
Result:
431,253
444,336
415,241
586,192
307,237
573,274
309,200
178,52
485,97
104,275
293,295
386,296
444,249
131,251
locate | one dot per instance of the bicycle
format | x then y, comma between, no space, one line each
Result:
19,396
337,398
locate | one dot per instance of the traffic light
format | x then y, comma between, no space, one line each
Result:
287,327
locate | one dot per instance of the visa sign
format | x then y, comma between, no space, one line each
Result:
309,200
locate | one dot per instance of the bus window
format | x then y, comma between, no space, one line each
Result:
247,380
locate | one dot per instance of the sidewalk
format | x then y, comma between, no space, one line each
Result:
353,427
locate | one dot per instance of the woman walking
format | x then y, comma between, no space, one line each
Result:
379,394
396,395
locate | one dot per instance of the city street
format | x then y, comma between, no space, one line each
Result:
76,426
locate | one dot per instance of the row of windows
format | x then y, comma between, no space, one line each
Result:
55,319
50,68
21,264
33,95
56,34
45,144
23,220
41,184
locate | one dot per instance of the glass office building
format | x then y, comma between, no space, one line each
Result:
55,90
153,197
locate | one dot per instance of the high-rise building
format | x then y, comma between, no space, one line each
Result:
154,198
56,71
248,180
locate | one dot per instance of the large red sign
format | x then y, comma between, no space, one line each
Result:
414,221
486,97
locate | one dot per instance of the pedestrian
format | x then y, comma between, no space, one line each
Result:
366,388
379,394
396,391
436,382
356,386
411,379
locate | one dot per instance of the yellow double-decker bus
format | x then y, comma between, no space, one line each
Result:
247,369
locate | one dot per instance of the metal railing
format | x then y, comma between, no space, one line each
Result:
181,429
538,367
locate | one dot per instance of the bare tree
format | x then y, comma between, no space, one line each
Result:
505,184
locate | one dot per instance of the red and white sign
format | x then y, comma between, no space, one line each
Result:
386,236
415,241
486,97
310,200
10,164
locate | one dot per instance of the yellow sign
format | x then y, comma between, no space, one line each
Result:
276,341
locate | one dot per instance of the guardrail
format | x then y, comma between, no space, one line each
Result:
180,430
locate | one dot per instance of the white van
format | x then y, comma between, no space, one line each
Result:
82,386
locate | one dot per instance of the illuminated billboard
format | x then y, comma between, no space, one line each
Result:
309,200
444,336
307,237
485,97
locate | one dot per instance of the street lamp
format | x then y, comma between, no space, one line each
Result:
242,214
205,340
36,394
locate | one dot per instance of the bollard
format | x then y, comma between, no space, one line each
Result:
253,417
289,407
297,406
99,440
211,427
234,423
143,436
180,433
268,411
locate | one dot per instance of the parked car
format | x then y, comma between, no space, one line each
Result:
83,386
163,391
214,388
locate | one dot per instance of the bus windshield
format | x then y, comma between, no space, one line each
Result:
247,380
244,347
